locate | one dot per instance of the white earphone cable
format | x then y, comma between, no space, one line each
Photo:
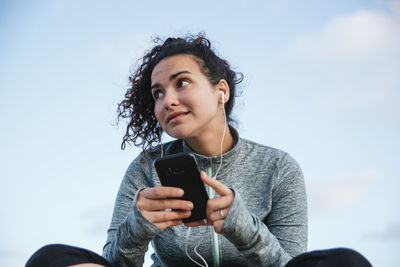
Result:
195,248
215,177
222,139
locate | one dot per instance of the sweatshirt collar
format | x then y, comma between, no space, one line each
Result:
228,158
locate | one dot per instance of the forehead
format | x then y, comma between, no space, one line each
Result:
171,65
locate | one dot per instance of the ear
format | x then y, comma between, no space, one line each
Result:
223,86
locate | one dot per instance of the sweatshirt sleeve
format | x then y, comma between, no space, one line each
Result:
130,232
283,233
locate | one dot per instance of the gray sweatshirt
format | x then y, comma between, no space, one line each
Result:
266,224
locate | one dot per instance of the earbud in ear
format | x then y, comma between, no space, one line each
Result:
222,95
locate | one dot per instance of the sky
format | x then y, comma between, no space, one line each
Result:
321,82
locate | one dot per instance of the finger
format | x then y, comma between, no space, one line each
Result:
219,187
161,204
219,215
163,216
160,192
220,203
217,210
218,226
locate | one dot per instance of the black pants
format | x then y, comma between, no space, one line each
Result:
62,256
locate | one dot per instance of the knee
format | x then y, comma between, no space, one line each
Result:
330,257
64,255
45,255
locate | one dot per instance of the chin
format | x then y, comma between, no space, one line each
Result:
178,134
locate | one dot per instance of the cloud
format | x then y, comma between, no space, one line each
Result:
353,62
356,37
351,38
341,190
389,232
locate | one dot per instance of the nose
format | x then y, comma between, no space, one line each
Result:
171,99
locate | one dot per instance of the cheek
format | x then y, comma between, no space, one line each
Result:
205,103
158,112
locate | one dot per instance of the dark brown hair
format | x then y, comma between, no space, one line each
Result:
137,108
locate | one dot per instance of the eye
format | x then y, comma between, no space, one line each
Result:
182,82
157,94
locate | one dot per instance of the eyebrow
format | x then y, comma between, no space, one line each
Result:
172,77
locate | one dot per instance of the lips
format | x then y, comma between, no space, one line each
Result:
175,114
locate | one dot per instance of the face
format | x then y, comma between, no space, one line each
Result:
186,103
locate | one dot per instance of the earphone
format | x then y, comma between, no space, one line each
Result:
223,95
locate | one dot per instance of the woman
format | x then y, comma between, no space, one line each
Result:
259,215
257,211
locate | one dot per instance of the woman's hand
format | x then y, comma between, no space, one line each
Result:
154,201
217,208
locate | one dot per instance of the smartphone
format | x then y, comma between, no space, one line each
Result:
181,170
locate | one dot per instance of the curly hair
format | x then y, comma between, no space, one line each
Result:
143,128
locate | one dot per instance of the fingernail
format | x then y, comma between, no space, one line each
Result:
190,205
187,213
180,192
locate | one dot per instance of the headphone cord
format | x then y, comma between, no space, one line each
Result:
195,248
215,177
222,142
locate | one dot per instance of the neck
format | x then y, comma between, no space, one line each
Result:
210,145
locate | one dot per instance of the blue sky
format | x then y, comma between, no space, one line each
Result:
322,82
